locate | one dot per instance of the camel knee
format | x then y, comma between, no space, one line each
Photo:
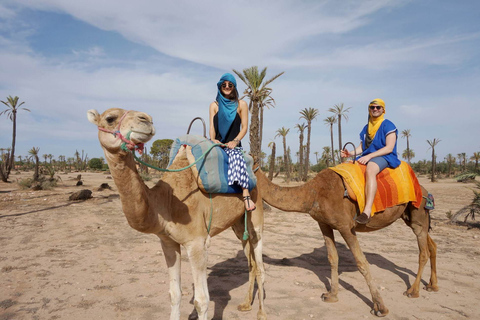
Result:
175,297
201,305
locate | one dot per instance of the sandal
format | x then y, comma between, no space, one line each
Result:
247,198
363,218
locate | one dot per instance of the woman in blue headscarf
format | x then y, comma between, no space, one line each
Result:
228,125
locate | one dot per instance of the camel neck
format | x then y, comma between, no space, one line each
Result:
292,199
133,193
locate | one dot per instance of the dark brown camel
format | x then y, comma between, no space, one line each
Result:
323,198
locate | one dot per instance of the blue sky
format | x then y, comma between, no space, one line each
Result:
164,58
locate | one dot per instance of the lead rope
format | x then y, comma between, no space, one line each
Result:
125,148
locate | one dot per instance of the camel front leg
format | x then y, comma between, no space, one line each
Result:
197,254
328,236
350,237
172,253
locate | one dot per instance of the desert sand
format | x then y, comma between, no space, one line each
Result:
64,259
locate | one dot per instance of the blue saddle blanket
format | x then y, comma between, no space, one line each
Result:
212,169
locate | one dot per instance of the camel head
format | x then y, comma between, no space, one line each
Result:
117,126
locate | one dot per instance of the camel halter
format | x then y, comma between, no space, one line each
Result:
127,144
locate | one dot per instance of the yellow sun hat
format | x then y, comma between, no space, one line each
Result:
378,102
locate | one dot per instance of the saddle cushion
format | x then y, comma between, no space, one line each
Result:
394,186
211,172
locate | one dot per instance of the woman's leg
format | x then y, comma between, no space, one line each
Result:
374,166
249,204
370,186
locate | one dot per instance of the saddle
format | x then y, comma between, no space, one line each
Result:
394,186
211,171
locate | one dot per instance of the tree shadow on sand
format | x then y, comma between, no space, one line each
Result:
230,274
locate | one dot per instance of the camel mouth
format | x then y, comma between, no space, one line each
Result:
141,137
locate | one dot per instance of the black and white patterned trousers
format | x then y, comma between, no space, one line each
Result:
237,168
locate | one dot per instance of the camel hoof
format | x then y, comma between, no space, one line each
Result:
379,313
244,307
261,315
430,288
411,294
328,297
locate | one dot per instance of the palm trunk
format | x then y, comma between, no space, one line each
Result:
300,166
307,156
331,140
340,135
260,129
254,132
433,165
12,154
408,151
271,168
285,159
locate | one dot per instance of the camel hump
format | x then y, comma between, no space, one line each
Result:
211,171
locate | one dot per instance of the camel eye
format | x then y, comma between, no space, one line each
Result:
110,119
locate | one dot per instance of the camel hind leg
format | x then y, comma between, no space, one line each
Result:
432,247
253,248
419,223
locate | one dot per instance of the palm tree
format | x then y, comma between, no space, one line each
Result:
271,167
316,156
34,152
432,144
476,158
450,162
339,111
408,154
11,112
301,129
264,101
326,154
256,91
331,121
406,134
283,133
309,115
464,160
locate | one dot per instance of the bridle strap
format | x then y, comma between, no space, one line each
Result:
128,144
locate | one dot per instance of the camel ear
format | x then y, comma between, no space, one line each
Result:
93,116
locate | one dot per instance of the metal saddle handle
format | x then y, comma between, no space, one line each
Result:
354,150
204,127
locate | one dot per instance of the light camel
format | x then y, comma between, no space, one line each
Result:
323,198
177,211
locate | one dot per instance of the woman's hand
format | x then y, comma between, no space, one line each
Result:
345,153
232,144
364,159
216,141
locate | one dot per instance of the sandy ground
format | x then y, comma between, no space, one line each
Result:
80,260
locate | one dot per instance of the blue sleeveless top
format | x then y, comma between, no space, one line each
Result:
380,141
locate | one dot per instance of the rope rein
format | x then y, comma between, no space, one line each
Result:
129,146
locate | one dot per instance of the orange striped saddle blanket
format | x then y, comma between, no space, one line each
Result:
394,186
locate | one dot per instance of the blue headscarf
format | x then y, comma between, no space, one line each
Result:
227,109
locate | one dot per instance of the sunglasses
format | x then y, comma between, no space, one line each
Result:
376,107
227,85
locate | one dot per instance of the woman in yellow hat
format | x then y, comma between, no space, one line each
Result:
378,150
